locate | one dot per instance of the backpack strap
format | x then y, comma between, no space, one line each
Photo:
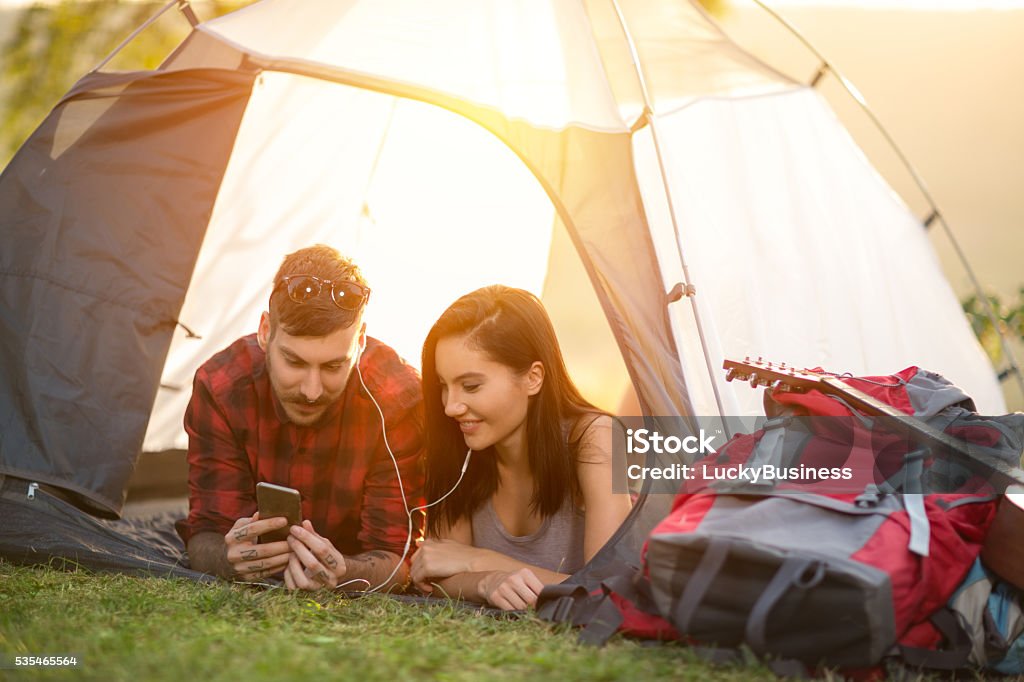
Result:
957,638
795,572
697,586
596,612
601,618
564,603
607,617
910,480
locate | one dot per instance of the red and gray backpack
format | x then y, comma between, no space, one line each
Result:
828,575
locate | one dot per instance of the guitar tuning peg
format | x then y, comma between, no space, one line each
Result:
769,365
731,374
754,380
746,359
782,366
759,359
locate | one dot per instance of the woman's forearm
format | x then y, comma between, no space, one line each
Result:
470,586
461,586
488,560
506,589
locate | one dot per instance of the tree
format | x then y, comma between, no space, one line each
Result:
1009,321
53,45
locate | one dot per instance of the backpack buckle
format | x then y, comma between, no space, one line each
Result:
869,498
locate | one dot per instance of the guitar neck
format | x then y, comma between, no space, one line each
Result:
917,430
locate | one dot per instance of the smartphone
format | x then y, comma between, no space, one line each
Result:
277,500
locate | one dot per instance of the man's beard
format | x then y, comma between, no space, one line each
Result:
296,398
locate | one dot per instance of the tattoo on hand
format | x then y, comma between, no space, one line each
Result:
322,577
241,533
330,561
249,554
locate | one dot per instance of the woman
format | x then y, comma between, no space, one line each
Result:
531,499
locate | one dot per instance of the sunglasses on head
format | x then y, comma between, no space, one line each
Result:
345,294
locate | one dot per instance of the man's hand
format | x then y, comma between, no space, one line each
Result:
315,563
249,560
511,590
439,559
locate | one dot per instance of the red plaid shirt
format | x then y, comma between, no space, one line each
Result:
239,436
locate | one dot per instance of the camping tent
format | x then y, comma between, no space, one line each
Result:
717,207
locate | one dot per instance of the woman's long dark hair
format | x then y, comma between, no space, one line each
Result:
511,326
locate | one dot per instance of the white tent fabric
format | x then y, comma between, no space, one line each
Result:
552,63
398,187
797,248
531,60
799,251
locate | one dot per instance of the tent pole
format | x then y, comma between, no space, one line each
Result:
146,24
186,8
827,66
649,114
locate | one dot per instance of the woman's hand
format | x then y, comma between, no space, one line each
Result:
439,559
511,590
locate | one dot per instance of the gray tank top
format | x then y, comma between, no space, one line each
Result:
557,545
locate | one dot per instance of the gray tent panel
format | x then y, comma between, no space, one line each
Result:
98,251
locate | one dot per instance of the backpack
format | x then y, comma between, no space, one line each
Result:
838,575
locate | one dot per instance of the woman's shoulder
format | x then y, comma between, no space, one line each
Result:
586,425
590,436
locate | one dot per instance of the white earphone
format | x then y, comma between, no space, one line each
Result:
398,473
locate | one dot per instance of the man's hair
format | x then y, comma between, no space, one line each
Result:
318,316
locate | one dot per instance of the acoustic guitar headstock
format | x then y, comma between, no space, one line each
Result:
776,376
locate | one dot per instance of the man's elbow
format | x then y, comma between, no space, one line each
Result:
207,553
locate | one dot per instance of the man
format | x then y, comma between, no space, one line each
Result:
287,406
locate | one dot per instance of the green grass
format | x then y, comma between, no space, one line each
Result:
126,628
